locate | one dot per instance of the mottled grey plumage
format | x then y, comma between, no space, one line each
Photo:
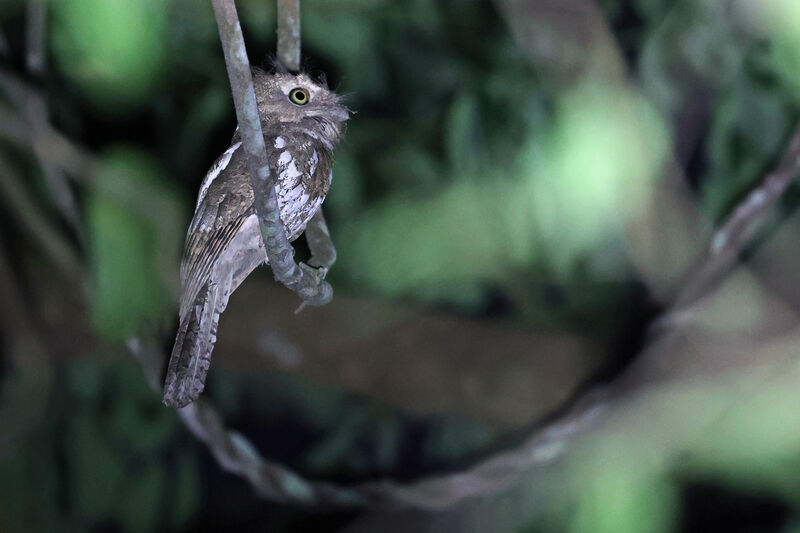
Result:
223,244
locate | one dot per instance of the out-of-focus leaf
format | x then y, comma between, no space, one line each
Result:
30,486
142,427
137,416
141,499
187,492
417,244
652,10
452,440
112,49
259,18
206,112
96,472
596,170
10,8
335,448
134,238
755,444
574,190
463,136
778,22
345,38
346,195
408,168
708,57
747,131
85,379
614,497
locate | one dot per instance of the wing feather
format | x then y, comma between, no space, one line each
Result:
219,216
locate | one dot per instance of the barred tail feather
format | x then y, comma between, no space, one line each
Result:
197,333
191,355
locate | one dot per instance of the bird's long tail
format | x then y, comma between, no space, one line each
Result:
191,355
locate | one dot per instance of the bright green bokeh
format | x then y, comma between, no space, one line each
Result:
573,190
113,50
618,497
596,171
133,220
781,18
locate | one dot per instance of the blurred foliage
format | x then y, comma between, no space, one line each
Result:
599,163
132,246
462,181
778,22
115,54
737,432
107,454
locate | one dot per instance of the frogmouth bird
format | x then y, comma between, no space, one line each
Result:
302,121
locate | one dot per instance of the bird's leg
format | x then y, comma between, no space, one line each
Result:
323,252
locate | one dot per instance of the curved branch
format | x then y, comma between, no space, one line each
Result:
289,34
274,482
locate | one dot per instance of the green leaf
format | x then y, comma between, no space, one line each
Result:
747,132
134,231
96,472
186,498
596,171
616,498
113,50
140,501
779,23
465,147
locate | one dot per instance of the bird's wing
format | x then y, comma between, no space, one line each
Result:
225,203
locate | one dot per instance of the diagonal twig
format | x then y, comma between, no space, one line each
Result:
742,224
24,208
34,129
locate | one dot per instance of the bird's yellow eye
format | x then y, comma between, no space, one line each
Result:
298,96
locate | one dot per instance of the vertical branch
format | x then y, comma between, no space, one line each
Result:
323,252
304,280
289,34
35,36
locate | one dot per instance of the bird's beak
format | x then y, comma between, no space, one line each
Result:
341,113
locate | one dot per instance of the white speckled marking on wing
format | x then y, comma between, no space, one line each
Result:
244,253
291,173
218,167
